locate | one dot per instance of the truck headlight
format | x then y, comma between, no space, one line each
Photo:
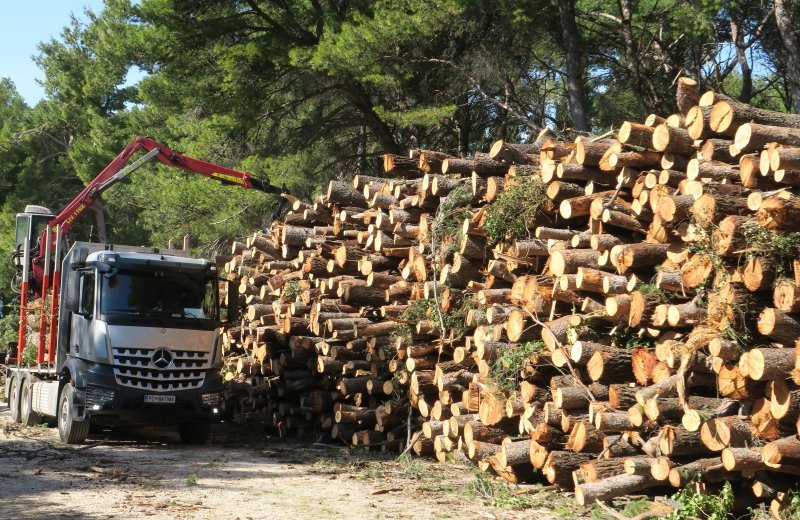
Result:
98,397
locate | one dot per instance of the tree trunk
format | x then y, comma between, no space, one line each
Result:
99,210
575,86
746,94
361,101
792,50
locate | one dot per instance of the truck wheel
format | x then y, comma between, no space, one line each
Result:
13,400
28,416
70,430
194,433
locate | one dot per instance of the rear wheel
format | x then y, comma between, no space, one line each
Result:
27,415
13,400
70,430
195,433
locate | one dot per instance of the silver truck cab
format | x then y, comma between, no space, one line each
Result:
138,342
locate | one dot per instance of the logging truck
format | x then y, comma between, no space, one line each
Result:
122,335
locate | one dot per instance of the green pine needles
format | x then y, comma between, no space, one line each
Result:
512,215
779,249
505,370
446,231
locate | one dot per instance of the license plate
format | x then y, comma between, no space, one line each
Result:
159,399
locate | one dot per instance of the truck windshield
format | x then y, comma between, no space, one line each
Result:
161,295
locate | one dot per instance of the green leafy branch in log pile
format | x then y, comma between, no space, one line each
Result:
648,288
505,370
513,213
420,310
629,338
292,289
780,249
416,311
447,230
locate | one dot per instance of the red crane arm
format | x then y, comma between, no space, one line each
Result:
115,172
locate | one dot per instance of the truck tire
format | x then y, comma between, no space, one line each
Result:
13,400
70,430
27,415
195,432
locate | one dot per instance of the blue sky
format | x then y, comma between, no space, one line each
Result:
23,24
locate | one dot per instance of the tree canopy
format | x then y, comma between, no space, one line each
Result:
311,90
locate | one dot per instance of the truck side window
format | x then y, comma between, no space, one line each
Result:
87,293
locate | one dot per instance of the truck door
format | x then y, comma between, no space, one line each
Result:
81,330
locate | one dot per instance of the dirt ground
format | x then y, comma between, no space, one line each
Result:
148,473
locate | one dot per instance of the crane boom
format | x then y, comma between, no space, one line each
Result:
115,172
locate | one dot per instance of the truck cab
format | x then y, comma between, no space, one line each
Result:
138,344
29,226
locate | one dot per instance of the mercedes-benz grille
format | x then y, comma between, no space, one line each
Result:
135,367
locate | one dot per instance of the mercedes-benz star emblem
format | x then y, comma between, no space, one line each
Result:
162,358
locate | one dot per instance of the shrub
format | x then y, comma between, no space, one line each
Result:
698,505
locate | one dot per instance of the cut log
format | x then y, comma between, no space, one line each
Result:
778,326
785,451
727,115
708,469
727,432
612,487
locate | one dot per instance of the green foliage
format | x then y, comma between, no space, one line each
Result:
792,510
743,337
704,506
447,231
513,213
191,479
647,288
629,338
9,327
636,507
779,249
405,333
292,289
9,330
505,370
418,310
30,355
496,493
456,320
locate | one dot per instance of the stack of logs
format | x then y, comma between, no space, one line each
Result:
658,336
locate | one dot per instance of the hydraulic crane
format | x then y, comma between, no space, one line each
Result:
113,294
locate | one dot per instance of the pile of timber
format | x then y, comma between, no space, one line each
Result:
660,340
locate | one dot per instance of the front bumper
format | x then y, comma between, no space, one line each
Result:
99,398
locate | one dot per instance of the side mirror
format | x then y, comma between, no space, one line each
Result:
232,302
71,293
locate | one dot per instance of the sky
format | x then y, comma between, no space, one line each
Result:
25,23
